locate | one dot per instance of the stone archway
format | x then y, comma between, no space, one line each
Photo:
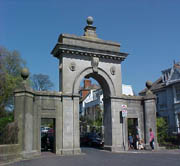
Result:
79,57
89,56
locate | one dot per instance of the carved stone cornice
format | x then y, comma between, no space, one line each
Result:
61,49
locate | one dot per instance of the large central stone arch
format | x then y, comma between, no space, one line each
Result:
79,57
109,90
89,56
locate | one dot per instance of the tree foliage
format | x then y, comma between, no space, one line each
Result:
11,64
6,119
96,124
162,130
41,82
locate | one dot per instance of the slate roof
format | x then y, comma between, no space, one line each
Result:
157,85
160,83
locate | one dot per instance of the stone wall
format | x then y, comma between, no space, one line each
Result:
9,149
144,109
31,106
9,152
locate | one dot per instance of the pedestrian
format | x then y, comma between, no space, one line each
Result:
137,141
130,138
151,140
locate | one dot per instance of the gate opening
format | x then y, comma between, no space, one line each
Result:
133,135
91,114
48,135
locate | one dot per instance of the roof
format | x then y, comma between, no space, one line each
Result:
157,85
84,97
126,90
168,77
92,86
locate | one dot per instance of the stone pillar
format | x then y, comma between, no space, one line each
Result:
114,129
59,128
24,115
76,132
150,116
70,124
107,124
150,119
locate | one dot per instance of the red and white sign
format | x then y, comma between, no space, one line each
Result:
124,110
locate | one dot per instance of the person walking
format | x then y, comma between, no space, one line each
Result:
130,138
151,140
137,141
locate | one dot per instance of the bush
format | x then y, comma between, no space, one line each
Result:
5,124
164,139
162,131
9,134
4,121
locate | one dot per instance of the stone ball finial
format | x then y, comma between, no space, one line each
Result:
24,73
90,20
148,84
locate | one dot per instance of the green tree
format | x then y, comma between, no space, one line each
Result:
5,120
41,82
11,64
162,130
99,116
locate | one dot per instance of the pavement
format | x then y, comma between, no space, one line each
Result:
96,157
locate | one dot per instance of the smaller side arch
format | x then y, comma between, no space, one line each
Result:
101,76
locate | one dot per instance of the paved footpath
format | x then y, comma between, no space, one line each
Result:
95,157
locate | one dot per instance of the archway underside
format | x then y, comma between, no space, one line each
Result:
101,76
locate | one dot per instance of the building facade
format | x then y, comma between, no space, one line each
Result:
167,90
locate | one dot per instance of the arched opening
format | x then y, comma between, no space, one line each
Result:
101,77
95,110
91,114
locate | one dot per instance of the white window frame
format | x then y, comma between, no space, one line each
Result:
176,100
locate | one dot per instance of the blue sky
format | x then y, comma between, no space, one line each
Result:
149,30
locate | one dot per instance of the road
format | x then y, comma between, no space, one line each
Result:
95,157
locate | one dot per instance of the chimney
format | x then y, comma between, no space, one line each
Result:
87,84
86,89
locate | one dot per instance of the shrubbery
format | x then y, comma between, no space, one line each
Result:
162,130
164,137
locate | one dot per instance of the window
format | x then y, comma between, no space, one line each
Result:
162,100
179,120
177,90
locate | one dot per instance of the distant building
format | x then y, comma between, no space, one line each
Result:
88,95
127,90
91,104
167,90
